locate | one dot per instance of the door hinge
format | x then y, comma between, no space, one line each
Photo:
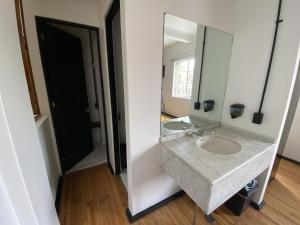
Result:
43,37
53,104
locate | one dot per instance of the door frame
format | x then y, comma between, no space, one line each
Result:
39,21
115,6
26,59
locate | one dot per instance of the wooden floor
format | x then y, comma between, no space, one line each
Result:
164,117
95,197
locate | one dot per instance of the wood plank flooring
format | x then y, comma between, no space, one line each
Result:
95,197
164,117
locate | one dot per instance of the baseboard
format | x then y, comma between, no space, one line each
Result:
288,159
136,217
58,194
167,114
110,168
258,206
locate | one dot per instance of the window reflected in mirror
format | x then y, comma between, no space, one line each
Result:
183,78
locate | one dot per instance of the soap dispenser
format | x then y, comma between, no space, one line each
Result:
208,105
236,110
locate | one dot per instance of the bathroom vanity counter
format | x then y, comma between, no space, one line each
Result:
209,178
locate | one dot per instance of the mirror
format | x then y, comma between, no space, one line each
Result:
194,75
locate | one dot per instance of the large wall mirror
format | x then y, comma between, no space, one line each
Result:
195,68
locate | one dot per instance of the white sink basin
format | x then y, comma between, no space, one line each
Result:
177,125
219,145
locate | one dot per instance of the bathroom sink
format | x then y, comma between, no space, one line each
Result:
177,125
219,145
214,167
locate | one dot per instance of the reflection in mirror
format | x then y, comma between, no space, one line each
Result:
195,67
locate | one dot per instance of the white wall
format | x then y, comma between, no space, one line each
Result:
100,89
118,67
83,12
292,147
48,150
177,107
22,167
103,10
290,116
254,30
289,143
8,214
12,178
142,34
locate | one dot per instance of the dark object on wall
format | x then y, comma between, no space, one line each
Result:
163,107
258,116
197,104
58,194
163,71
94,71
236,110
123,153
242,200
208,105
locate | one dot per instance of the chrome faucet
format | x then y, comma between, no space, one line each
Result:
206,132
198,132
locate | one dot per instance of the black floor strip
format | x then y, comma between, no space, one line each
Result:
288,159
134,218
58,194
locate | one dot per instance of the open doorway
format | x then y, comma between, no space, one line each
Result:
115,66
70,56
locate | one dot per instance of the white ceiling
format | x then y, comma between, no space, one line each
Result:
179,30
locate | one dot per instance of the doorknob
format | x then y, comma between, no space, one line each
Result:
87,110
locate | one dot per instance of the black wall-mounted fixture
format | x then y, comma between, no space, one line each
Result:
163,107
258,116
208,105
236,110
163,71
197,104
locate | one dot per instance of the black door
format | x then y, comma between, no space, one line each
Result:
63,67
